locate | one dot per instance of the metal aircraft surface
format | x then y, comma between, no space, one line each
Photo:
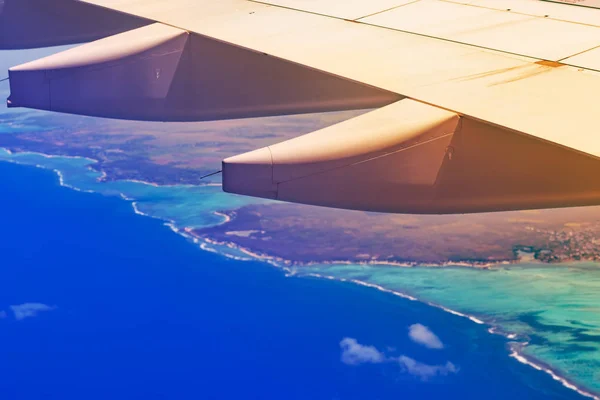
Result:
479,105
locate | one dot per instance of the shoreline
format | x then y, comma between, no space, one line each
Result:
543,367
300,264
228,218
103,175
291,270
103,178
515,348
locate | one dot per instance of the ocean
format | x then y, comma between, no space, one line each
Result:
100,301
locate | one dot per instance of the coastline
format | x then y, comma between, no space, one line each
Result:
291,269
153,184
266,257
226,217
515,348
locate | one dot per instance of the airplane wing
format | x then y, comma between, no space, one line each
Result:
479,105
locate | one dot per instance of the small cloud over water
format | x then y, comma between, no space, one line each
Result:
425,371
27,310
355,353
424,336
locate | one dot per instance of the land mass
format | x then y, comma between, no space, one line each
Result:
304,234
181,153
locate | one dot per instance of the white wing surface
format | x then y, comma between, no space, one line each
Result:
483,105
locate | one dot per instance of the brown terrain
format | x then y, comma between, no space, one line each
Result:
183,152
314,234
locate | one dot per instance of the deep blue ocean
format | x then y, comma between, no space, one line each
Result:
134,311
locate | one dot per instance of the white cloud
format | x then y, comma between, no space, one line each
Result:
422,335
425,371
354,353
26,310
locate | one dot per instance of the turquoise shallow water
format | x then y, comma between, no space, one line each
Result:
185,205
555,310
551,312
